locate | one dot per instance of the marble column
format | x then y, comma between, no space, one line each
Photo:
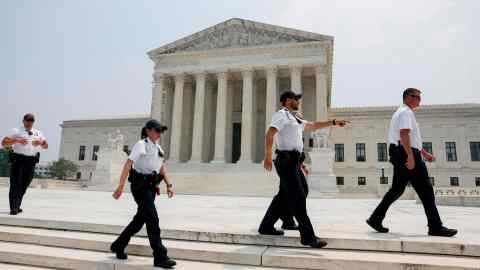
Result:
158,90
246,155
321,94
221,120
272,95
177,118
198,117
296,81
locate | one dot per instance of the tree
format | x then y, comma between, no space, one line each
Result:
63,168
4,162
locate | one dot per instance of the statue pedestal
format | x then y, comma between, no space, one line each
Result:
321,177
109,167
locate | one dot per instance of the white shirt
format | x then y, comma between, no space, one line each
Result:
404,118
27,149
145,156
290,130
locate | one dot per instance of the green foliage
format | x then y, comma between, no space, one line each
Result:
63,168
4,163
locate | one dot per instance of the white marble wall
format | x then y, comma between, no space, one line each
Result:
441,123
95,132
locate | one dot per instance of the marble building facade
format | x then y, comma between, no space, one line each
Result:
217,89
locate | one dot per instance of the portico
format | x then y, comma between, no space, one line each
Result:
217,89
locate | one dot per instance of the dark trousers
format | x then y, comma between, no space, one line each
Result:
144,196
287,216
291,197
420,181
21,175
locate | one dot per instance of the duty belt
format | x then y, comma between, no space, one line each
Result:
153,178
291,154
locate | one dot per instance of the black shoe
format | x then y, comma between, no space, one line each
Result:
13,212
377,226
272,231
20,210
443,231
292,227
164,263
316,243
120,253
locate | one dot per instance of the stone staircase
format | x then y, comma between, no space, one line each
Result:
49,244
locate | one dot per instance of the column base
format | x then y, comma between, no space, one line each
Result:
172,161
218,161
195,161
245,162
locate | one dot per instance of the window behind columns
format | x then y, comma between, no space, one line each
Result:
383,180
81,152
428,146
340,180
454,181
96,148
475,151
451,151
362,181
382,152
477,181
339,152
360,152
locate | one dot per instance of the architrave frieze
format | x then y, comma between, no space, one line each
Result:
305,54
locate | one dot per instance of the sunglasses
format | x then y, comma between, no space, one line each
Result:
415,96
29,120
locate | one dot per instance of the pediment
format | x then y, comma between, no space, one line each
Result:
236,33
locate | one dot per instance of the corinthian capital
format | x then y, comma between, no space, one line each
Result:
158,77
321,69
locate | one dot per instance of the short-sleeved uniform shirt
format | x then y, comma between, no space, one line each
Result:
290,130
27,149
404,118
147,156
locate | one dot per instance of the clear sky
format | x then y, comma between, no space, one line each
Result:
75,59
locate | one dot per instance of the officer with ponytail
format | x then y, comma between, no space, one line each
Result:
145,170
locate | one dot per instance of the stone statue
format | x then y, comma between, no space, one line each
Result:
320,138
110,160
116,141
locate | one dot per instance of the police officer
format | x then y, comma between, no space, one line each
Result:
145,170
288,223
26,143
406,154
289,140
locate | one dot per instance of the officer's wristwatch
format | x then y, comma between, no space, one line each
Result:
169,185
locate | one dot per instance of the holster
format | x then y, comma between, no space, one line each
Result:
11,157
139,180
37,158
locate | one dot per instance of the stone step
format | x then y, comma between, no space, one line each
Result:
446,246
179,249
274,257
5,266
66,258
363,260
